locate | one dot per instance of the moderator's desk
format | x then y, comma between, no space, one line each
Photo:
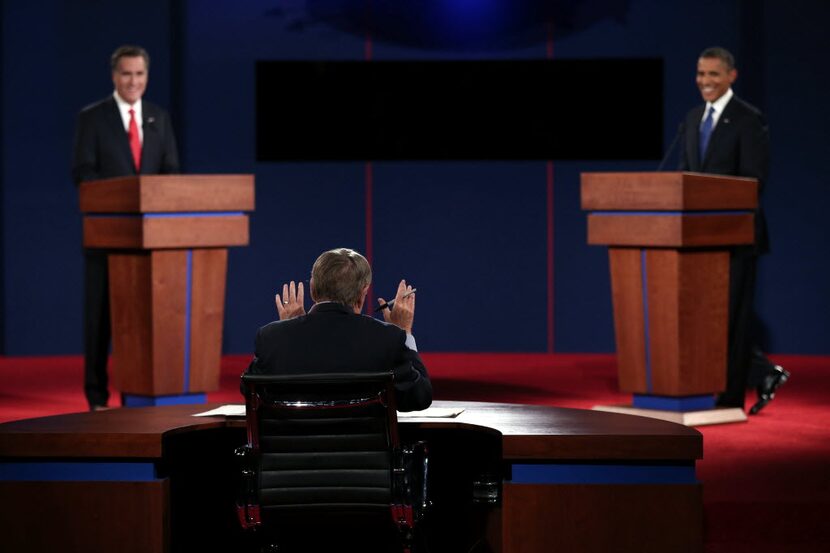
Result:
156,479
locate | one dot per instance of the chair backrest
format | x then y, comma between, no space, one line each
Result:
323,447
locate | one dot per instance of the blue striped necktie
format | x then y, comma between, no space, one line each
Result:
706,132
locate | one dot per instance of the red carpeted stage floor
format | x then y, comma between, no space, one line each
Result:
766,482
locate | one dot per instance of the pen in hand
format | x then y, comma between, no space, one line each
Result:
389,304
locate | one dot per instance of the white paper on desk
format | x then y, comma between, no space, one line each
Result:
429,413
224,411
432,413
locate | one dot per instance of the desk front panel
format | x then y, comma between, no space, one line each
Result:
566,477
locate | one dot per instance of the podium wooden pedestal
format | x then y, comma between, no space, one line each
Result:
167,239
668,236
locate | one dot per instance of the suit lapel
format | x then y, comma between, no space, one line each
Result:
723,128
116,126
150,146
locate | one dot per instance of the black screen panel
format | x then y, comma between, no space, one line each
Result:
477,110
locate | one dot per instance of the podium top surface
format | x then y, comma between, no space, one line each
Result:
168,193
667,191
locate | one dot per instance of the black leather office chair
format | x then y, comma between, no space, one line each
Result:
324,468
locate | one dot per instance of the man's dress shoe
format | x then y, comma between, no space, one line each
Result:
766,390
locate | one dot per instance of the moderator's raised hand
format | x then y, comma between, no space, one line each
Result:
402,313
291,303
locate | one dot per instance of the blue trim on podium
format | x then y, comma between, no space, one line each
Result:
603,474
133,400
160,215
646,322
672,213
679,404
188,308
193,214
80,471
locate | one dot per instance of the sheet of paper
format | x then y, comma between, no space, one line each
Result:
234,410
224,411
432,413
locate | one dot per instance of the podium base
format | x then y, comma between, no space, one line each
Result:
718,415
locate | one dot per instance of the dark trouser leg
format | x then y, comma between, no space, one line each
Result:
96,327
759,367
741,298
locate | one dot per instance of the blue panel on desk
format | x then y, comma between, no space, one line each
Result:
81,471
679,404
602,474
131,400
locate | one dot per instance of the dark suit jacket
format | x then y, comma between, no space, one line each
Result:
102,149
739,146
331,338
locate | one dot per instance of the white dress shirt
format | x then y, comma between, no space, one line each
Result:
124,109
719,105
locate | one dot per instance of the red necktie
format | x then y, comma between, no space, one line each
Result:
135,141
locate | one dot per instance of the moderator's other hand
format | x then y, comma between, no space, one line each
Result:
291,303
402,312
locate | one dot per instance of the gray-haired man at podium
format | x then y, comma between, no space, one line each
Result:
728,136
118,136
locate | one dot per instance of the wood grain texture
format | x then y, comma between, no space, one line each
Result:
601,518
128,232
149,320
677,231
168,193
93,517
663,296
666,191
194,232
169,308
703,299
131,314
113,232
134,433
687,301
533,517
529,432
629,319
206,316
688,315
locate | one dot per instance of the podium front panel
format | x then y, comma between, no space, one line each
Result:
671,230
160,231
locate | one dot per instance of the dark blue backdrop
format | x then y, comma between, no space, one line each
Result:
472,236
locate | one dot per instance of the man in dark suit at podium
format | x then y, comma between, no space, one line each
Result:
334,337
118,136
728,136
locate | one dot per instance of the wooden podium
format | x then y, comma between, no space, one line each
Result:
668,238
167,238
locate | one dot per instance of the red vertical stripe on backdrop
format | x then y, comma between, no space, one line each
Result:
549,208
